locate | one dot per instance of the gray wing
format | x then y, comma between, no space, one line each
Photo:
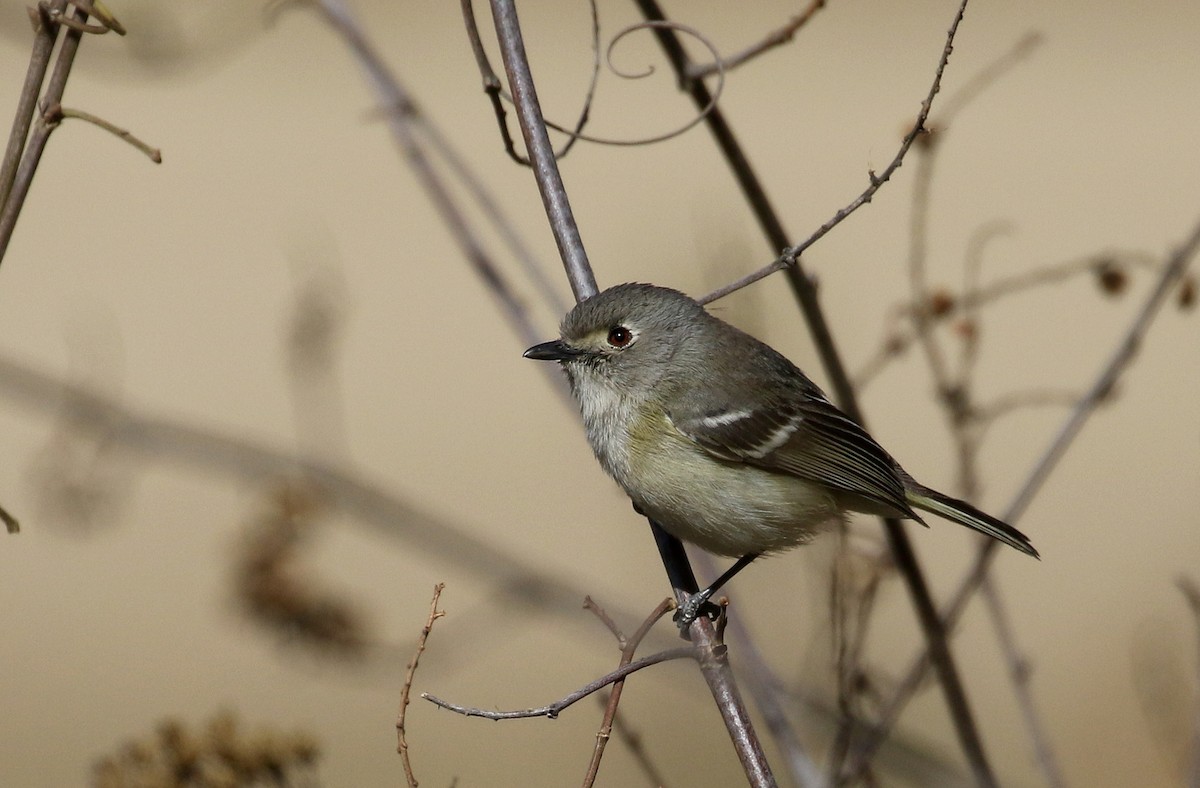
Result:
796,430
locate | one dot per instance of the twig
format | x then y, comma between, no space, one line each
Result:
410,671
44,34
17,177
152,153
773,39
806,294
552,710
791,255
628,649
494,90
1096,395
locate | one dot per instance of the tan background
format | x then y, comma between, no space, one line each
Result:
171,286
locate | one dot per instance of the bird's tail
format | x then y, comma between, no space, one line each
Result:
963,513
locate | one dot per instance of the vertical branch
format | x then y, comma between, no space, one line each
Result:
44,34
541,154
711,653
806,293
22,177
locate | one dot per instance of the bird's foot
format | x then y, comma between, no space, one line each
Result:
696,606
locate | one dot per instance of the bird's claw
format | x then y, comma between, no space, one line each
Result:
693,608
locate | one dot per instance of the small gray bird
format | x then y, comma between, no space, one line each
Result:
720,439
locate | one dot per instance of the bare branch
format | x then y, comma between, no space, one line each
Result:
410,672
557,707
773,39
152,153
791,255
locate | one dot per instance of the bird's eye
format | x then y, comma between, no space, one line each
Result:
619,336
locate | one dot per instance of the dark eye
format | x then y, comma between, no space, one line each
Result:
619,336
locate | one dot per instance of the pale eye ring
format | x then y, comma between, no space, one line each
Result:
620,336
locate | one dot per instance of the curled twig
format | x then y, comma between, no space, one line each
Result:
699,117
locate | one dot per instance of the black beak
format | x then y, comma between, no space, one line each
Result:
554,350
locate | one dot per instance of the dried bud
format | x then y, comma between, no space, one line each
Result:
1187,293
1110,276
940,303
927,137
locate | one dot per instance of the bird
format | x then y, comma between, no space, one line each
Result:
723,441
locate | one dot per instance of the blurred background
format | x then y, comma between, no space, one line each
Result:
279,287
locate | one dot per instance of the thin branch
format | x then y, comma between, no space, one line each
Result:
552,710
152,153
773,39
494,90
1171,273
401,111
44,34
409,673
33,149
791,255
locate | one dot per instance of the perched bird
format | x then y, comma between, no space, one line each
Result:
720,439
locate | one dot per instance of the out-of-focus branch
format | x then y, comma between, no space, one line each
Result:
1171,273
401,111
240,459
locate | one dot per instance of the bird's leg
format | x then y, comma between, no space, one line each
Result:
698,601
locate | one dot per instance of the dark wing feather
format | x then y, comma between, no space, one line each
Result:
790,427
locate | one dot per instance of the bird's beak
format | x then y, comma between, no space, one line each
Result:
554,350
